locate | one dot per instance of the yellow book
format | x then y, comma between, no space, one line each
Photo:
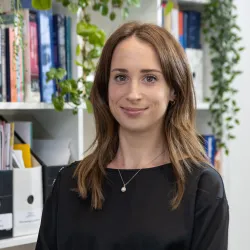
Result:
26,153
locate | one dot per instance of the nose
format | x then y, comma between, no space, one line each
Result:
134,92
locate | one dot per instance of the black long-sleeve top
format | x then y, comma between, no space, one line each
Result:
140,218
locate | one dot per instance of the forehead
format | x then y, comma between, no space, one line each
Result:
133,52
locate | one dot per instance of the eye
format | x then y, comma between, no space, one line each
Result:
150,79
121,78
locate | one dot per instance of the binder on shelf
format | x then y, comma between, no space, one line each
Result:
6,208
27,200
48,172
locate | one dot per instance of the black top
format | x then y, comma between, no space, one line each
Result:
141,217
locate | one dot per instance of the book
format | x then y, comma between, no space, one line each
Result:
45,48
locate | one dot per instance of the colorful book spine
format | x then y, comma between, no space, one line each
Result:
210,147
3,64
68,47
193,29
181,35
45,48
1,72
32,90
13,66
185,29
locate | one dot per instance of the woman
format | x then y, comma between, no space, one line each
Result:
147,184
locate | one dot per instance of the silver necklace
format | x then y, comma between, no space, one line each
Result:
124,189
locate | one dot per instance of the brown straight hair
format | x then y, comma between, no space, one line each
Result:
182,139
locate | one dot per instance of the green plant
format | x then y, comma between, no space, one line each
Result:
221,34
93,39
18,44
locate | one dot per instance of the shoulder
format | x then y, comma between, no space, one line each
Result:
65,176
206,183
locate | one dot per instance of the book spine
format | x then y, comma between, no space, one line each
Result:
7,63
185,29
3,58
44,21
181,35
1,69
68,47
13,66
194,25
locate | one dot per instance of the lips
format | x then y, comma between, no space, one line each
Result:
133,109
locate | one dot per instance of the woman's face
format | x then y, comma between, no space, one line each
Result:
138,92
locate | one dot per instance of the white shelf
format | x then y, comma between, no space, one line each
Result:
202,106
18,241
194,1
31,106
37,106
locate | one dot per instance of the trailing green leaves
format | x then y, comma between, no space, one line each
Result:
42,4
93,39
221,33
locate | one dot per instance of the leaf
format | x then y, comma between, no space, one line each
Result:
229,118
96,6
135,3
73,7
85,29
94,53
60,73
231,137
227,152
89,106
125,13
73,83
112,16
76,99
78,63
42,4
104,9
50,75
75,111
97,38
119,3
65,3
78,50
168,8
58,102
65,86
237,121
88,87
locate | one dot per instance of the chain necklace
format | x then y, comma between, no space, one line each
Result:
123,189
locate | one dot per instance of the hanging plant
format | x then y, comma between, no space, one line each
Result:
221,34
93,39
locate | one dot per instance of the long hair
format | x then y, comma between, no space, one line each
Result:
179,127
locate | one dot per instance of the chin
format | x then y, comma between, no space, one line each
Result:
134,128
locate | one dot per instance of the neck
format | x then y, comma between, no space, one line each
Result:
141,150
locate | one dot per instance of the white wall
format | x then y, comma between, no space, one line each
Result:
237,167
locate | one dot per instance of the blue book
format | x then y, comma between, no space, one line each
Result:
45,51
185,29
68,47
193,29
68,50
210,147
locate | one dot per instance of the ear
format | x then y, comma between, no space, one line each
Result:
172,95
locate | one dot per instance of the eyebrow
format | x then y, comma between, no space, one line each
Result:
142,71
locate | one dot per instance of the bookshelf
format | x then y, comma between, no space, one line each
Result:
18,241
34,106
80,127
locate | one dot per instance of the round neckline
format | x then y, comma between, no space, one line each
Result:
136,169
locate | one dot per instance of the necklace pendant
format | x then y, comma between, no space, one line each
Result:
123,189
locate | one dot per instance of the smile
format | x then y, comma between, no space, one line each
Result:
133,111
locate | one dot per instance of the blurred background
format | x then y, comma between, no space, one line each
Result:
49,51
